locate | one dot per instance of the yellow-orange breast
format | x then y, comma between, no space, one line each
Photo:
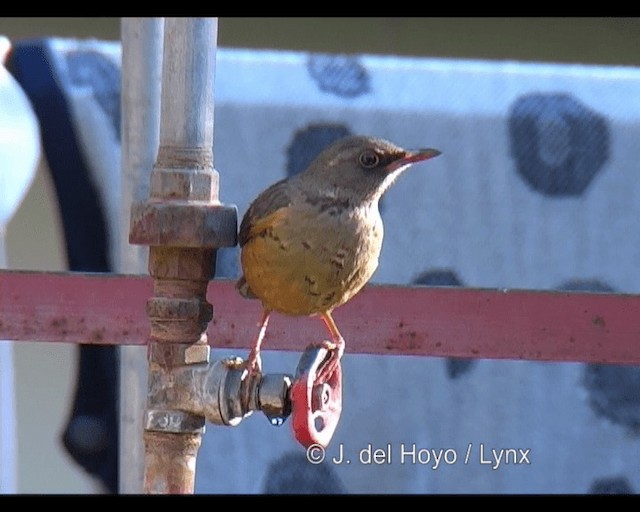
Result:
305,258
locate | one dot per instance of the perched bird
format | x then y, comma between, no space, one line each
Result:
310,242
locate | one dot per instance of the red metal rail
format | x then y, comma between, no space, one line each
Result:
454,322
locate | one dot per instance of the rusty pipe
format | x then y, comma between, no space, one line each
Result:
223,392
183,223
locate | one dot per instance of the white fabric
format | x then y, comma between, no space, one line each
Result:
19,153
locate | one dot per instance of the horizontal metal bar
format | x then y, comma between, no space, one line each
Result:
398,320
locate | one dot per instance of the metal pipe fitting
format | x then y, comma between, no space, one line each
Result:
223,392
233,394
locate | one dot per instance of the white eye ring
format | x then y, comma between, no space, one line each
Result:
368,159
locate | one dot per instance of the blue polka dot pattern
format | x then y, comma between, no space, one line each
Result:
614,391
340,75
293,474
611,485
93,69
559,144
438,278
309,142
585,285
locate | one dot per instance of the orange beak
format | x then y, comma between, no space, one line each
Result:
411,157
419,155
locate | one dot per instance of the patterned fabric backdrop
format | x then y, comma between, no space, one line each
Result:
537,188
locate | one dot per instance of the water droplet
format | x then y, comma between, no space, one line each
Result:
277,421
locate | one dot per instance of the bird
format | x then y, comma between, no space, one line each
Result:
310,242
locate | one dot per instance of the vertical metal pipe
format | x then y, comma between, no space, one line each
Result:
172,438
187,84
140,103
183,223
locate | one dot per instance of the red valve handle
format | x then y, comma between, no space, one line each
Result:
315,409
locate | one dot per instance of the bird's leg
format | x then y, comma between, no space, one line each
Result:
254,363
335,348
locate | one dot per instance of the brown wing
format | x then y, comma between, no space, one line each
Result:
263,211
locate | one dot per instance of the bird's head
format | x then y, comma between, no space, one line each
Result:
362,168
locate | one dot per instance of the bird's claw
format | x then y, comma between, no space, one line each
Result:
331,362
253,364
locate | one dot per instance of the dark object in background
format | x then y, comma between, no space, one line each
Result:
91,435
292,473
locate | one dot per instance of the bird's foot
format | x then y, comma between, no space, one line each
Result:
253,364
332,361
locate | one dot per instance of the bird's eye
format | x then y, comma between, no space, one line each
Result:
368,159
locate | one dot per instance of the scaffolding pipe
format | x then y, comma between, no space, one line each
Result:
183,223
140,104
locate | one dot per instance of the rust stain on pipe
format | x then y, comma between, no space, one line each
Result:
170,462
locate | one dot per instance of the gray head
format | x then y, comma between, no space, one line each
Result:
360,168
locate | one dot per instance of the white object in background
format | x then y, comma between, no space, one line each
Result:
19,154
